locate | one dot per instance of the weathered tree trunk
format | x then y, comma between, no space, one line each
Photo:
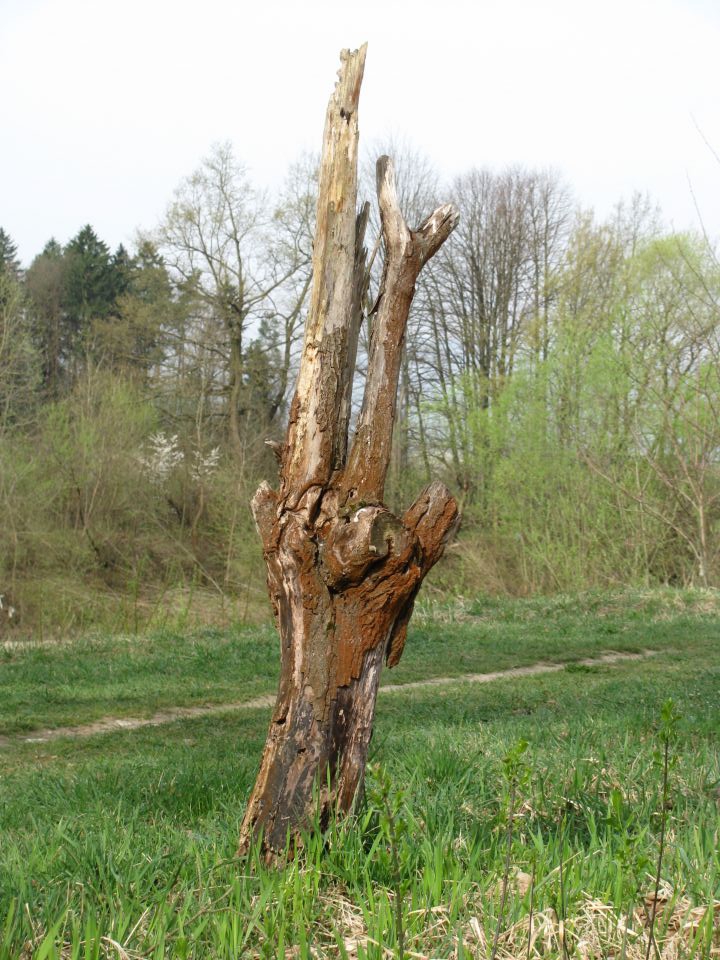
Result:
343,572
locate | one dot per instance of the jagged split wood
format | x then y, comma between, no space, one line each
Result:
343,572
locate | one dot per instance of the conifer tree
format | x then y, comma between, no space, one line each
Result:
9,262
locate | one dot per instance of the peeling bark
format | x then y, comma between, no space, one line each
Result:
343,571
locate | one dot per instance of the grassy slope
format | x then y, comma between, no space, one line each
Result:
83,680
129,836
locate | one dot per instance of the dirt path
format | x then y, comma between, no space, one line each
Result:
171,714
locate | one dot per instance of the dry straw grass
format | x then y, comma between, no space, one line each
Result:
595,932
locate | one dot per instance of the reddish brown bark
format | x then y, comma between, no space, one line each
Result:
343,572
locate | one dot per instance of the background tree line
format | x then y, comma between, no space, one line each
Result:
561,373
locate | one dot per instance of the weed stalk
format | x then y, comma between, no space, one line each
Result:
668,722
514,771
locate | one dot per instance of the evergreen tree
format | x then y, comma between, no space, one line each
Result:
89,289
145,309
262,396
123,267
9,262
18,359
51,334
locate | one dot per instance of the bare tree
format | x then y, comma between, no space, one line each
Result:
343,572
247,266
485,303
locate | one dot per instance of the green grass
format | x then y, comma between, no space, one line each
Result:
75,682
58,685
131,836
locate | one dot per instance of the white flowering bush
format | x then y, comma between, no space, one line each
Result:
203,466
163,455
103,513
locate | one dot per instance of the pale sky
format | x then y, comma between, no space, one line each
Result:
106,105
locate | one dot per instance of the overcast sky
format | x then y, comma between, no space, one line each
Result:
107,104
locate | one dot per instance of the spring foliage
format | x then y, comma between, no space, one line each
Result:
560,374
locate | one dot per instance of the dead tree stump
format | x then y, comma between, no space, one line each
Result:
343,572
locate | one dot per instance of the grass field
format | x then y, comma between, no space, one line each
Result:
122,844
